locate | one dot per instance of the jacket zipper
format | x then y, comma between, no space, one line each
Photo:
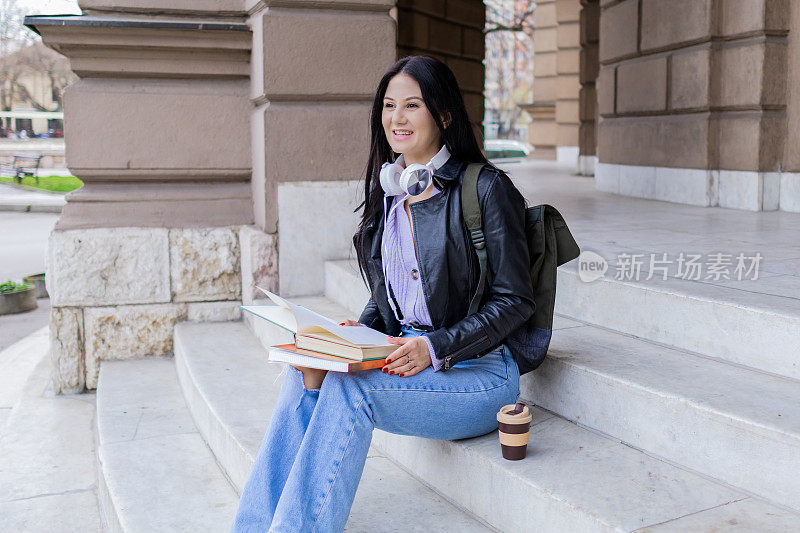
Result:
449,358
416,254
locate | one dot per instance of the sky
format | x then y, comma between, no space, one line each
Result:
49,7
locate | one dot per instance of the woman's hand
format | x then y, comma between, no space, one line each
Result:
349,322
412,357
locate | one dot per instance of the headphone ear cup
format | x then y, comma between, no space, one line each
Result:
390,178
415,178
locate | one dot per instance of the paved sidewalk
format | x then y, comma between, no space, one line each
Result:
17,199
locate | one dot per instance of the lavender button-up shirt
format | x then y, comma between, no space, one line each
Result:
399,258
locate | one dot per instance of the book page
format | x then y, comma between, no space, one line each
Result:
310,322
303,315
358,335
276,314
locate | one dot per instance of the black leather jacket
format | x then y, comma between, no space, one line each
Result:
449,267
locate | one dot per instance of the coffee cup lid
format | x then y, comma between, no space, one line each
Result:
504,417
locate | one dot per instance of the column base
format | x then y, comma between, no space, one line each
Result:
734,189
117,293
587,164
567,154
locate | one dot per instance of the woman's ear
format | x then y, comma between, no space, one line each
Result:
446,120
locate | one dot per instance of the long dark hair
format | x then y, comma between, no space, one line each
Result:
442,96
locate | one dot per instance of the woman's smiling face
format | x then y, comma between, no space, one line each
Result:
407,123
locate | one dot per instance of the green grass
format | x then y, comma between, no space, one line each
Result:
49,183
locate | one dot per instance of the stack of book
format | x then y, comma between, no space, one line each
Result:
320,342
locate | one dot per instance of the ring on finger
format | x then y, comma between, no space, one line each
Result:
406,367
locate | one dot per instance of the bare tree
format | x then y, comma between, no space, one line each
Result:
13,33
509,65
22,55
509,16
43,60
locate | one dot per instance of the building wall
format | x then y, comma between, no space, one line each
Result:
693,100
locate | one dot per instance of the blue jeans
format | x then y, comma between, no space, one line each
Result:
310,462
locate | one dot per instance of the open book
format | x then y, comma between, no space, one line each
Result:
315,332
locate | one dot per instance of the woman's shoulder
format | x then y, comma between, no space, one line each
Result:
494,183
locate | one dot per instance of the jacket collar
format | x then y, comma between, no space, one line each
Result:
450,170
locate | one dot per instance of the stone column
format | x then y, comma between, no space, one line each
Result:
693,102
790,171
157,128
589,67
568,85
315,70
543,131
451,31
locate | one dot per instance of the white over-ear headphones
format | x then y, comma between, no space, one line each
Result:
396,178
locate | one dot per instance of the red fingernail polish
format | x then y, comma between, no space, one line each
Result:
401,375
391,372
383,370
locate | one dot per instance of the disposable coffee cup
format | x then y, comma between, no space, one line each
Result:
513,423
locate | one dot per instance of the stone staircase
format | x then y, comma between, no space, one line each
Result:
632,431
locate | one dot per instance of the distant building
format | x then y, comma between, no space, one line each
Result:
31,81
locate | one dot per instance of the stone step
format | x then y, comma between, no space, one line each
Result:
17,362
728,321
573,479
47,453
730,422
343,285
706,414
155,471
213,360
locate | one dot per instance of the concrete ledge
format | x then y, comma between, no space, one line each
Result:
29,208
16,198
734,189
232,429
568,155
790,192
312,233
343,284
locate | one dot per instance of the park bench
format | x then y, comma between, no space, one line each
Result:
23,165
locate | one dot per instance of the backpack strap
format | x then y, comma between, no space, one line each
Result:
471,210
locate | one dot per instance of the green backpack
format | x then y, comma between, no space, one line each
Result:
550,244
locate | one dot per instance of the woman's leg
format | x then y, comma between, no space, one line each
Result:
462,402
277,453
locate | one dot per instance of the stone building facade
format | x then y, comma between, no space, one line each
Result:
199,129
697,99
215,138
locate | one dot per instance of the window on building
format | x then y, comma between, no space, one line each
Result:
24,124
